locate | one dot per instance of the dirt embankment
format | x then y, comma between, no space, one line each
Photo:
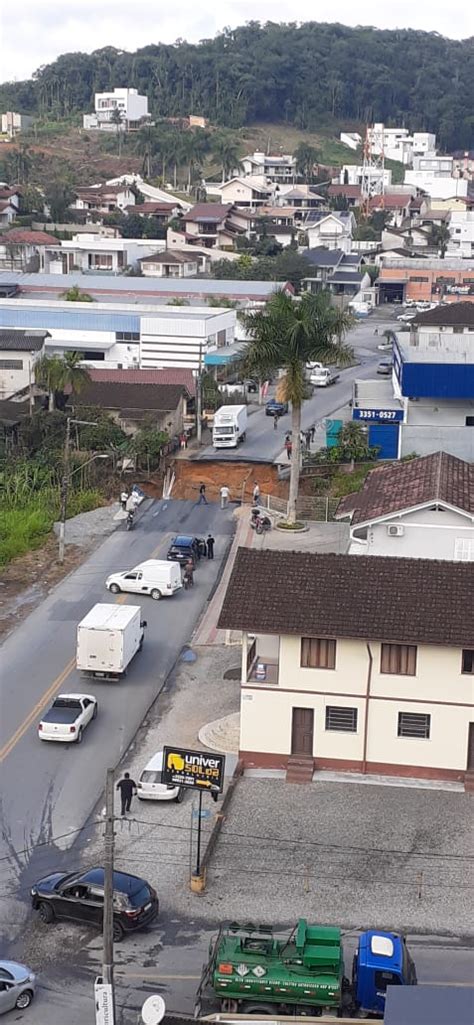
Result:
239,477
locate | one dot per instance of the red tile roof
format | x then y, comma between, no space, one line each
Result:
172,375
152,208
208,211
350,191
27,237
407,601
390,201
397,487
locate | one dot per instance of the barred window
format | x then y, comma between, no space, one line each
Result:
11,364
341,720
399,659
127,336
414,724
318,653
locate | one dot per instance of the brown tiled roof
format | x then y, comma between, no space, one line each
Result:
407,601
208,212
453,315
399,486
139,397
170,375
169,256
390,201
33,238
350,191
152,208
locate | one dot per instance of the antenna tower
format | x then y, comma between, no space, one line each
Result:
373,167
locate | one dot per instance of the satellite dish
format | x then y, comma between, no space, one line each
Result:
153,1010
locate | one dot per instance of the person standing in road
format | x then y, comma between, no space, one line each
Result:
256,493
275,421
307,436
313,432
289,447
225,494
210,542
202,494
124,499
127,788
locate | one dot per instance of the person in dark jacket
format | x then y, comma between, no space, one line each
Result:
210,542
127,788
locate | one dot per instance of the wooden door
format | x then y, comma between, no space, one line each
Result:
302,728
470,747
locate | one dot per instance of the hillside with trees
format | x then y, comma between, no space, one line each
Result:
304,75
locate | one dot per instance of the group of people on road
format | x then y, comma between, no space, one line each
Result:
306,440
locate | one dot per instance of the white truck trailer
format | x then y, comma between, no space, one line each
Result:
229,427
107,639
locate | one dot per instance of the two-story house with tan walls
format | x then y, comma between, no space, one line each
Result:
422,509
362,665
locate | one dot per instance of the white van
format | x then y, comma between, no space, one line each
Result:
150,787
156,577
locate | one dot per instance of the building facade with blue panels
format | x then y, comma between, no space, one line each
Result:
421,376
22,316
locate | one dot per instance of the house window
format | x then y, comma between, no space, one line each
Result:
414,724
11,364
418,279
463,549
468,660
127,336
341,720
318,653
399,659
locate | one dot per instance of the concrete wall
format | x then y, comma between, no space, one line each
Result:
457,441
13,380
428,534
439,689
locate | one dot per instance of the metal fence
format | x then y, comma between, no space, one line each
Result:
320,508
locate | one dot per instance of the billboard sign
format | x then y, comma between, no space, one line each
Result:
199,770
389,416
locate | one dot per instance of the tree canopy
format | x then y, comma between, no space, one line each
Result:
302,73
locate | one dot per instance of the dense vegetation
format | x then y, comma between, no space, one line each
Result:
303,74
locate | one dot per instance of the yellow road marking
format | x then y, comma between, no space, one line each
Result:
38,708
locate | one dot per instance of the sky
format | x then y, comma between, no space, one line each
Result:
38,31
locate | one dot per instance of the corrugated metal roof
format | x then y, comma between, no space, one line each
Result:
36,283
70,320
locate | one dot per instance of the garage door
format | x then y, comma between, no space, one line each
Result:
385,437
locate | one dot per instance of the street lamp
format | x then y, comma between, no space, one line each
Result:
67,476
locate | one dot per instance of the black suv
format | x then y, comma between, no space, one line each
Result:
184,547
80,896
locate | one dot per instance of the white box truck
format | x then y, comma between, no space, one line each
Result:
229,427
107,639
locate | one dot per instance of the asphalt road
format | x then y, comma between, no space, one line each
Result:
48,790
264,444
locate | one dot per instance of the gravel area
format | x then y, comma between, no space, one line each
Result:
96,523
352,855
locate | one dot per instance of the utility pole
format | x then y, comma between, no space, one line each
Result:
199,400
108,928
30,382
64,488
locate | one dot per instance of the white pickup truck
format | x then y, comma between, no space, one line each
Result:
321,377
68,717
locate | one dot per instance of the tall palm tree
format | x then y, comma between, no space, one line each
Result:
227,153
75,375
287,334
49,374
306,157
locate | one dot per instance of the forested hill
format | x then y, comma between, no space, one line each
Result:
304,74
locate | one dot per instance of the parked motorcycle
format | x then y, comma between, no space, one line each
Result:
130,520
259,521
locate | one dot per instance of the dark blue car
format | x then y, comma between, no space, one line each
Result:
274,408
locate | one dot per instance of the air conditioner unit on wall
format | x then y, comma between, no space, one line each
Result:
395,530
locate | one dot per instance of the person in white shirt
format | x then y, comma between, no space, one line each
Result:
225,493
256,494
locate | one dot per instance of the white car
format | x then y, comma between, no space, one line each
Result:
150,787
156,577
406,317
323,377
68,717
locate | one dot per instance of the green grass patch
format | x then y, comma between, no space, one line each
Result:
25,526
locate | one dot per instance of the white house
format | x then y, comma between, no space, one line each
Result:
24,250
12,123
251,192
351,139
132,107
278,169
332,230
353,174
92,253
103,199
398,144
170,264
8,212
362,665
423,509
461,229
19,351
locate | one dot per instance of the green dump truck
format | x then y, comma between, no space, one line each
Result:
250,971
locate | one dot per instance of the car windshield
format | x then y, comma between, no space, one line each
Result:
225,430
141,897
67,703
150,777
182,541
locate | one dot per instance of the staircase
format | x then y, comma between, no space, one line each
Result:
299,769
468,781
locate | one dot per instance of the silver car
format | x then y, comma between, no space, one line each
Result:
17,986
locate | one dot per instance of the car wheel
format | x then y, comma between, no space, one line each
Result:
114,588
46,913
94,714
180,796
24,1000
155,594
118,932
79,736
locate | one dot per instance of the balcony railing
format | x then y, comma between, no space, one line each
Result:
263,670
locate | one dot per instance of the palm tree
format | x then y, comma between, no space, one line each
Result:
116,118
288,334
49,374
75,376
227,153
306,157
440,237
